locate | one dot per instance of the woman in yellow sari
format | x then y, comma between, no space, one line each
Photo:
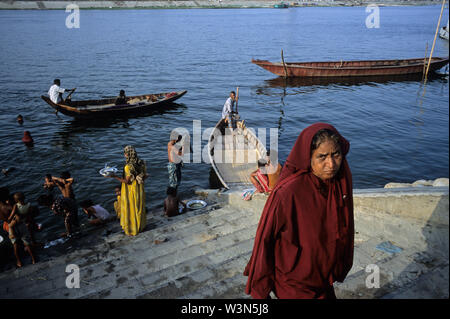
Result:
132,195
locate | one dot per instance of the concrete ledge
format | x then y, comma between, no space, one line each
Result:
426,204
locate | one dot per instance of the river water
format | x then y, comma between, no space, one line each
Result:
395,133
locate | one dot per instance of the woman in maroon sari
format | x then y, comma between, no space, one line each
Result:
304,241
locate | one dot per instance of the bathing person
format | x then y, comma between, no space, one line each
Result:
27,139
259,177
117,202
174,152
62,206
98,214
55,92
64,183
19,119
20,216
304,240
132,194
121,99
172,203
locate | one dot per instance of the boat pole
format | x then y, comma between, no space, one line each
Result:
237,98
434,41
284,65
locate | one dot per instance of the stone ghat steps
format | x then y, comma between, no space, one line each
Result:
186,249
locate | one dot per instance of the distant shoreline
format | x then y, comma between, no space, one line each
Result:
198,4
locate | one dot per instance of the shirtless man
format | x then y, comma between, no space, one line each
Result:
172,203
174,153
64,184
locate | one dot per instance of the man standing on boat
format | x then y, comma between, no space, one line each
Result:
228,108
55,92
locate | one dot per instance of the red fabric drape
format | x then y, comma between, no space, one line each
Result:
304,240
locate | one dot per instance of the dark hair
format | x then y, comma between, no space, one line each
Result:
45,200
65,175
323,135
56,81
20,196
49,176
122,92
86,203
232,92
171,191
4,194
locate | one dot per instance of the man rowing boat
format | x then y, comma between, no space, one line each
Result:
55,92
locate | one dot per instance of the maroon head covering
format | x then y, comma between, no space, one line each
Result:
304,240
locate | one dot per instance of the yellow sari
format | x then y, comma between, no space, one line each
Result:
132,206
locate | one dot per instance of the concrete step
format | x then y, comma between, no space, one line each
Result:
103,256
103,273
164,268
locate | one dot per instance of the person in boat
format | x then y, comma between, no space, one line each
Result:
132,194
273,168
228,108
305,237
259,177
174,153
55,92
172,203
62,206
98,214
121,99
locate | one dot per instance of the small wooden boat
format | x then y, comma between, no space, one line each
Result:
351,68
234,153
108,108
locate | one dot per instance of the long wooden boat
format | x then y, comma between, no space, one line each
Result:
108,108
234,154
351,68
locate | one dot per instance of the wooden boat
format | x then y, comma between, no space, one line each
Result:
107,107
351,68
234,153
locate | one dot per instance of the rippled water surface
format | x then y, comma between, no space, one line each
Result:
395,134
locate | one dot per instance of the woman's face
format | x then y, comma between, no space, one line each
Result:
326,160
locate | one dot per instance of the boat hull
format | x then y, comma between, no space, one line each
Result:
351,68
106,108
234,156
